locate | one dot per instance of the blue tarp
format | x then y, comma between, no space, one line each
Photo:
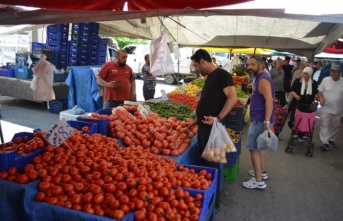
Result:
83,89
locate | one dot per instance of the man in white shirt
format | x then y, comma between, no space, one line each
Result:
330,95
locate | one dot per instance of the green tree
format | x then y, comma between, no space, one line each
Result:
123,41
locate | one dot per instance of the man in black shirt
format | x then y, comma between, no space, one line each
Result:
217,99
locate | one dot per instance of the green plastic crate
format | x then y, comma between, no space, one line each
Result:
231,172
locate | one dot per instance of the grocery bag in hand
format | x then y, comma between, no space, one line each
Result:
218,144
267,141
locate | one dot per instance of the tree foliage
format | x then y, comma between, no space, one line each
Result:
123,41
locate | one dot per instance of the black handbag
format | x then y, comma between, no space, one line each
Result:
313,106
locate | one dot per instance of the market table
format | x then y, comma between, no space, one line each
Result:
20,88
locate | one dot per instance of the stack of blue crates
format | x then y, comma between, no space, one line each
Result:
21,66
57,39
85,45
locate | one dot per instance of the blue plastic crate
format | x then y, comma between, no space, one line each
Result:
206,210
56,106
58,28
13,159
93,127
105,111
7,72
232,157
60,76
102,124
212,189
22,72
236,114
36,45
235,125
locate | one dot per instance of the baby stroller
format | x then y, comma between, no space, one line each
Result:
303,127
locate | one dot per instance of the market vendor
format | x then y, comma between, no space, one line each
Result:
117,79
217,99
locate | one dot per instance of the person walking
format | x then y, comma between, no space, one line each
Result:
148,79
330,96
218,97
261,118
303,91
277,74
117,79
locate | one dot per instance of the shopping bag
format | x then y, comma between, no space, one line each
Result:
267,141
215,150
160,59
225,137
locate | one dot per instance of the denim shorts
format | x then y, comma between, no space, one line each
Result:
255,129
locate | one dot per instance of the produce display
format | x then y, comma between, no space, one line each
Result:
186,99
187,88
281,116
239,71
165,136
234,137
97,176
239,80
240,93
23,145
198,82
180,112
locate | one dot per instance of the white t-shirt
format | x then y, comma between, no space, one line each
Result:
333,95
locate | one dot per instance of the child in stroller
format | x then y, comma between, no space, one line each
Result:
305,116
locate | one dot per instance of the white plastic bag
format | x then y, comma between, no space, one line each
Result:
160,59
267,141
218,144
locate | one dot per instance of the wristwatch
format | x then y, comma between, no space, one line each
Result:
266,122
219,118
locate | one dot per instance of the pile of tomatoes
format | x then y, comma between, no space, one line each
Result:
166,136
95,175
23,145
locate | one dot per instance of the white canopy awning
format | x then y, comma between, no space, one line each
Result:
263,28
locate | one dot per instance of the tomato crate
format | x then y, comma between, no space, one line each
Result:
105,111
13,159
102,124
231,172
206,211
212,189
93,127
46,211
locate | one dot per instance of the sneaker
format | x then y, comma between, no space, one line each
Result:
295,136
332,144
264,174
300,140
324,147
253,184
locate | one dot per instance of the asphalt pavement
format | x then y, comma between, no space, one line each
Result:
299,188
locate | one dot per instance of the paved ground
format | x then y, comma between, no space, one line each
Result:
300,188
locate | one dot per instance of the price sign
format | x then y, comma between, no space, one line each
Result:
59,133
143,111
164,95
